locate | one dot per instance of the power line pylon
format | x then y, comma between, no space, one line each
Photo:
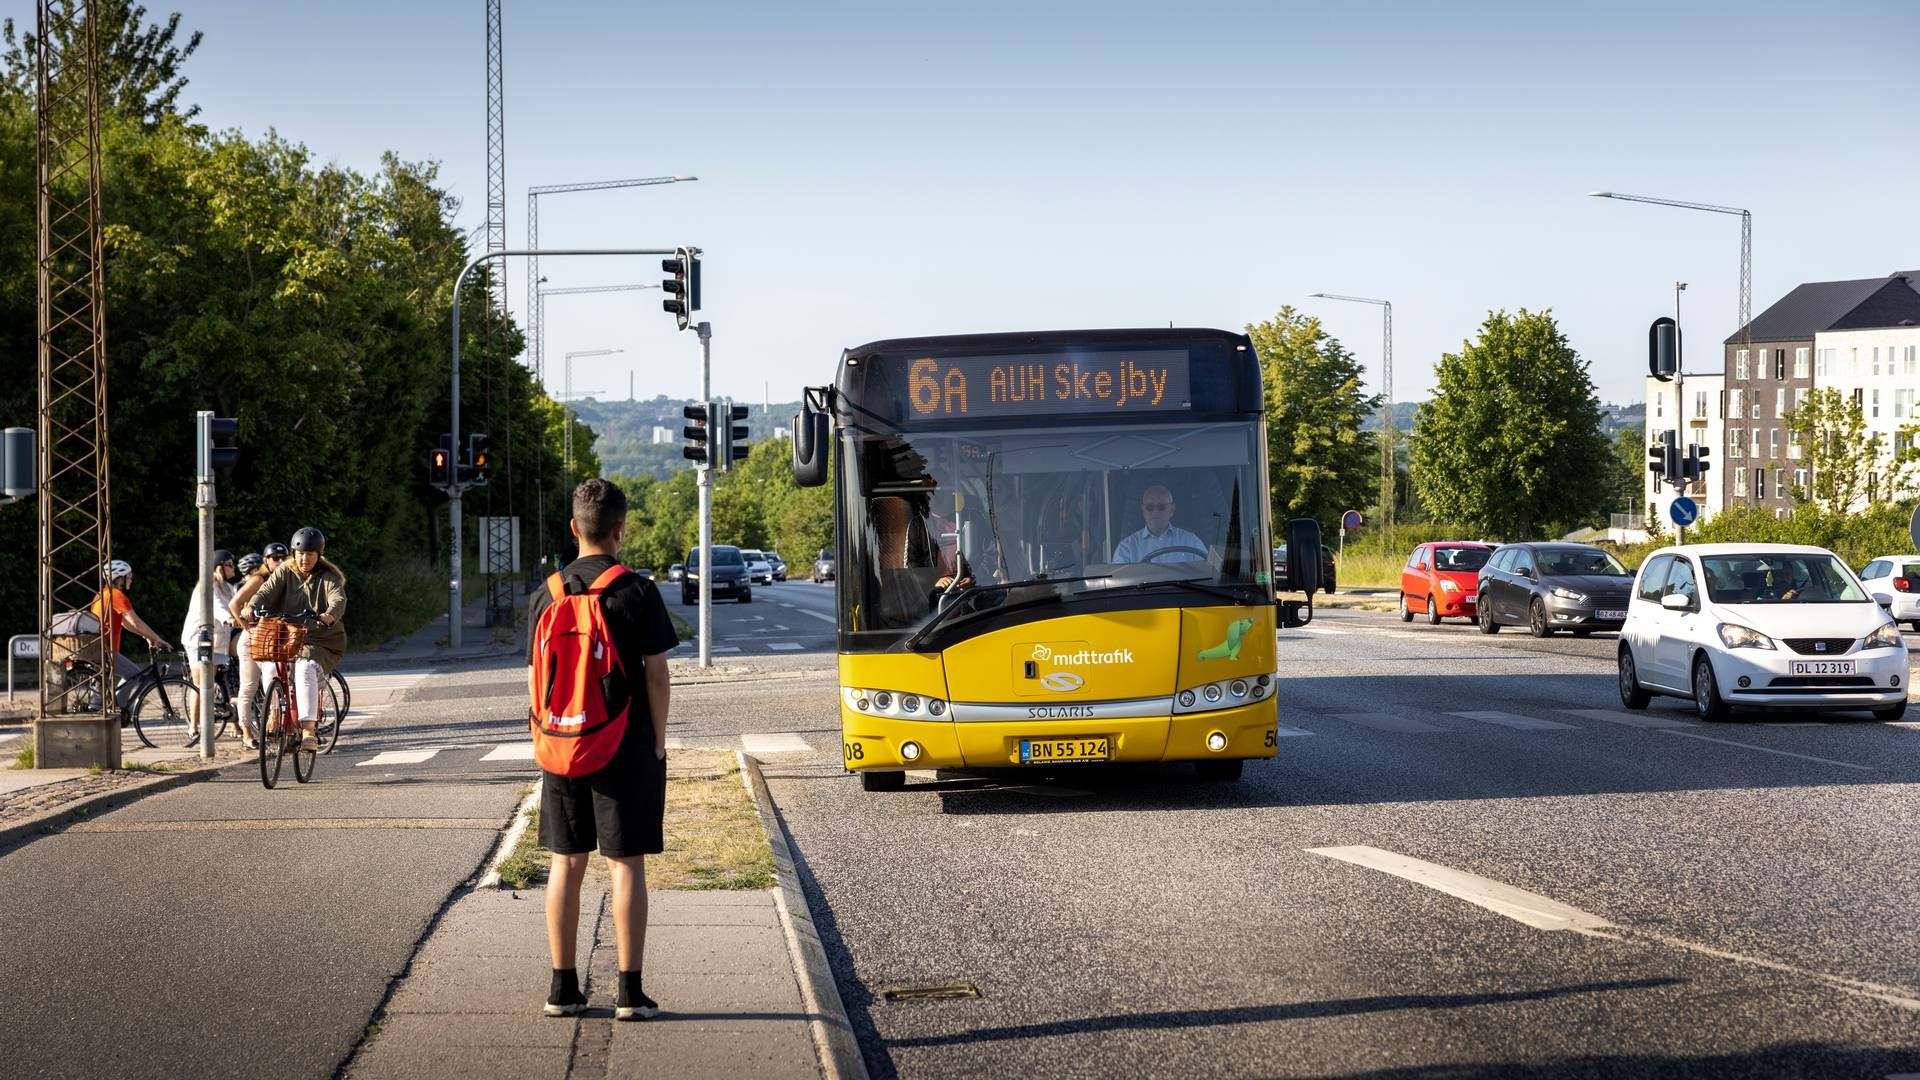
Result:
76,724
498,545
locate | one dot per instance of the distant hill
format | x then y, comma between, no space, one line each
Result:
625,432
1617,417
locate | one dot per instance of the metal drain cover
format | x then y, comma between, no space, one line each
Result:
954,991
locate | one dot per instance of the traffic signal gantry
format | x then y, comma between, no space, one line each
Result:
1668,461
446,472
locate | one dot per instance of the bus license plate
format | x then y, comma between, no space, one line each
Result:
1048,751
1819,667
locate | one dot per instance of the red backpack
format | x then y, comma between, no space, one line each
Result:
577,679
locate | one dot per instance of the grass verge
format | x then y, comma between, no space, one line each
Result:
714,839
24,759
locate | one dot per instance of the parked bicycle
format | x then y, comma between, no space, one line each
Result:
278,641
162,706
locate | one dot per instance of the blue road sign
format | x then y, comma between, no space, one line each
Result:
1350,520
1683,511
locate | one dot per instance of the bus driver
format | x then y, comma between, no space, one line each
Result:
1156,507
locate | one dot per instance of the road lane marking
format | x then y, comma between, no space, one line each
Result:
1514,721
398,757
1287,732
718,649
1380,721
1322,630
777,743
1544,913
784,646
1650,721
815,614
1532,909
1910,726
1770,750
510,752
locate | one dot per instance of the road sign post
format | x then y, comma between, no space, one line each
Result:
1348,522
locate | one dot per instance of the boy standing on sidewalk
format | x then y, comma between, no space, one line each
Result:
620,807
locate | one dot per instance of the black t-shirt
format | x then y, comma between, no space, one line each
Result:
637,618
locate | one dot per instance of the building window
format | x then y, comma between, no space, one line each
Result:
1907,364
1773,442
1780,402
1799,397
1793,443
1740,482
1800,480
1779,364
1853,361
1736,442
1757,444
1659,405
1756,406
1759,483
1874,408
1825,367
1740,364
1873,487
1903,403
1700,403
1876,361
1733,403
1800,363
1859,396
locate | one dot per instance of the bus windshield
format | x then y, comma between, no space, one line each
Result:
1043,515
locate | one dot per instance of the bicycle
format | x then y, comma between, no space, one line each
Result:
338,703
163,706
277,641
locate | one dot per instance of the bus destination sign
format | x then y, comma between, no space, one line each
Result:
1085,383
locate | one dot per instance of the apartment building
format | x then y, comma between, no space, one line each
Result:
1699,418
1879,369
1772,364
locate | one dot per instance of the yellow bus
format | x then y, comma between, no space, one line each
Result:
1054,549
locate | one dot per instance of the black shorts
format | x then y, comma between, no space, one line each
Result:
619,808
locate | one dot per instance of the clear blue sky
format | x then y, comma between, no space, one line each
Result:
888,169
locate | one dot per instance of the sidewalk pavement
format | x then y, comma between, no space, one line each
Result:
717,962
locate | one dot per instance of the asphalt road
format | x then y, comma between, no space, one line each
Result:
220,929
1727,901
788,617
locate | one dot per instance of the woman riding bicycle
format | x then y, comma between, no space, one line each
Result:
306,582
254,569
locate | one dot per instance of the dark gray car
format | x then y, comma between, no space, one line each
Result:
1551,587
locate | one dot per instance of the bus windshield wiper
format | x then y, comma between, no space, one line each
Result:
1200,586
964,595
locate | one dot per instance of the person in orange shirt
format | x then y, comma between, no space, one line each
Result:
114,609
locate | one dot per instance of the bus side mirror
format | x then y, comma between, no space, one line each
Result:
1295,613
1303,556
810,446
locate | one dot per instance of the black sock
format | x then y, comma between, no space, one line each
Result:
566,984
630,987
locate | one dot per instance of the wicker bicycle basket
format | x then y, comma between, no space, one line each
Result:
275,640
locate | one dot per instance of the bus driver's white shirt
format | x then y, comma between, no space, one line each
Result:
1140,545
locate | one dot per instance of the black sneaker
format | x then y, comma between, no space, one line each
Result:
632,1003
565,1003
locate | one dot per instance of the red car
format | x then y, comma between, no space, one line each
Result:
1443,580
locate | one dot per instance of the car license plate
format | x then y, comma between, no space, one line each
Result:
1819,667
1048,751
1611,616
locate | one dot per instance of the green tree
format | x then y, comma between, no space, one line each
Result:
1320,461
1512,442
1846,464
1626,469
139,61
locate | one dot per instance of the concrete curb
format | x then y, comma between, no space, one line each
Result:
16,833
833,1040
522,817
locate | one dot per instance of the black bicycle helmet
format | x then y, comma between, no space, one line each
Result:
310,539
275,550
250,562
222,555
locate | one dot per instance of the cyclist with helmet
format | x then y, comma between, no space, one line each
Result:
114,609
254,569
305,582
224,573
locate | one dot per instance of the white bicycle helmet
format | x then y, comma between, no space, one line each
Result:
118,569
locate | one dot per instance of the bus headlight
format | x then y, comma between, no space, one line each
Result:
883,701
936,707
1259,690
1186,699
910,703
910,751
1238,688
1211,692
1216,741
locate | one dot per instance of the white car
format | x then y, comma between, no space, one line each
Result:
759,570
1768,626
1896,579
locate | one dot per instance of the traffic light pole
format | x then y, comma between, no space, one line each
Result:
453,490
704,476
1680,399
204,500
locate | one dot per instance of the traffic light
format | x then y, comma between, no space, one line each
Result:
440,463
733,437
697,434
1663,349
224,433
683,288
479,459
1696,465
1665,455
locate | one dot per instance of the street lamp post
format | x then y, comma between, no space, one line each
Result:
1388,432
1746,262
566,452
540,306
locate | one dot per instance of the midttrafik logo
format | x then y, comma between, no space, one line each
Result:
1083,658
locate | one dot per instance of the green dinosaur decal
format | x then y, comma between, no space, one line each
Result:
1230,648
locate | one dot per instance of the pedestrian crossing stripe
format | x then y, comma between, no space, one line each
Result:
510,752
397,757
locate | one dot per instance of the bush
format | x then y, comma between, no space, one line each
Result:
1858,538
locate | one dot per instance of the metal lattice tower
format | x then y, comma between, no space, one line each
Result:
498,543
1389,432
76,535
